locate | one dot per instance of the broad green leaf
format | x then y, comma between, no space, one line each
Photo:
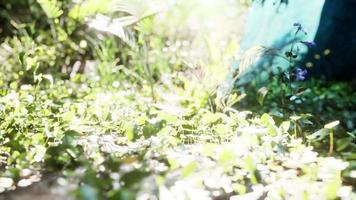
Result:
331,189
188,169
267,120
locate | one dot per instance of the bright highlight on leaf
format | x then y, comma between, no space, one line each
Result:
332,124
51,8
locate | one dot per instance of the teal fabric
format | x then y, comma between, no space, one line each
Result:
270,24
330,23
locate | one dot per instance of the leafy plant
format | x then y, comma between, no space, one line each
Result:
51,8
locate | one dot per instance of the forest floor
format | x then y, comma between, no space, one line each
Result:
174,139
121,144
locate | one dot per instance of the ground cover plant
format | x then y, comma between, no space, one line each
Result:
132,100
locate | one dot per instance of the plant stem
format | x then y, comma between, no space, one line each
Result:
331,143
148,71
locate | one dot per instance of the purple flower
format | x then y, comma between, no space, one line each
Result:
310,44
299,28
297,24
300,74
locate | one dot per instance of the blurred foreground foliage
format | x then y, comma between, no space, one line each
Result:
109,99
119,144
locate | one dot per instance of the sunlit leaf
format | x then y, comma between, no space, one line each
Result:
51,8
130,131
210,118
285,126
331,125
40,152
261,94
189,169
319,135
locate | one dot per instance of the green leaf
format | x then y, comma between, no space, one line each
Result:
188,169
51,8
331,189
239,188
133,177
343,143
267,120
331,125
222,129
233,98
69,138
319,135
153,126
261,94
251,168
173,163
130,131
285,126
68,116
210,118
351,134
295,118
49,77
226,156
40,153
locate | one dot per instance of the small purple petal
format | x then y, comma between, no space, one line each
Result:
300,74
309,44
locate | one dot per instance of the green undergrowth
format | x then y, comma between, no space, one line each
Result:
141,108
117,143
